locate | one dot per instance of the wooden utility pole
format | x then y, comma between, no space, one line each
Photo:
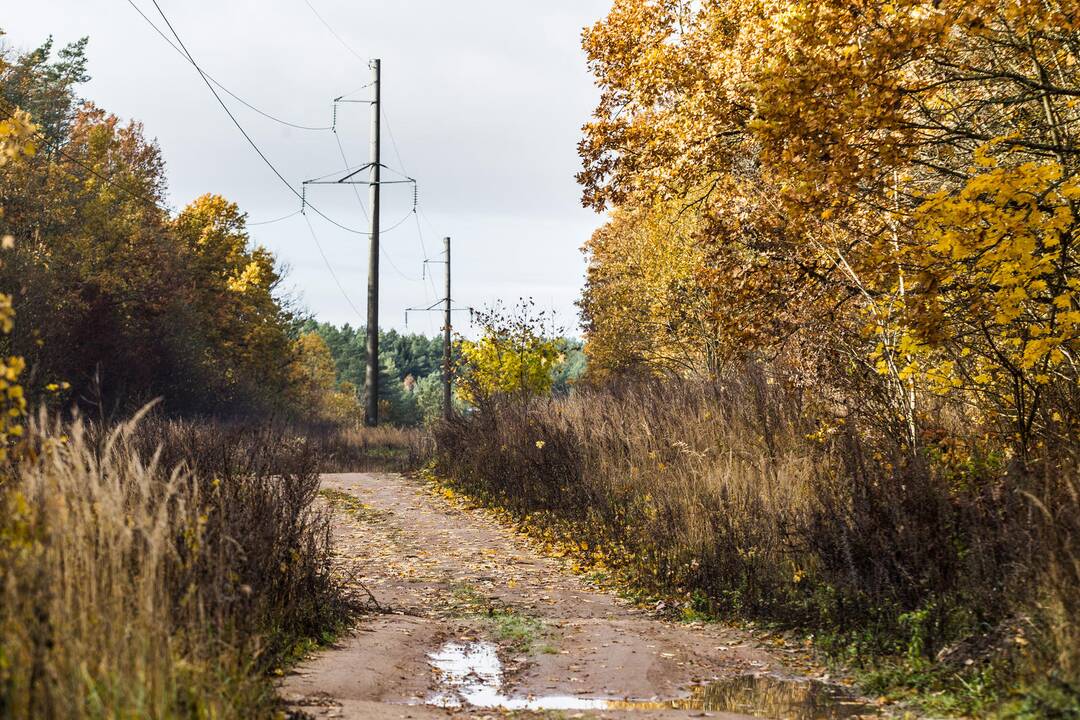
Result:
448,409
371,378
448,310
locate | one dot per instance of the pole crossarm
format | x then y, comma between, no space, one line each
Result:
350,173
429,308
434,307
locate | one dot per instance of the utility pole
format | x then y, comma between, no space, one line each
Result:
447,309
447,360
371,414
353,176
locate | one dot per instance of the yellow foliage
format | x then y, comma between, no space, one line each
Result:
16,141
857,183
314,384
500,364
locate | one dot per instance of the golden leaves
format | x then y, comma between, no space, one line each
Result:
16,135
910,155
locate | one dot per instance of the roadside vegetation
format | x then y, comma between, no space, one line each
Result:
165,413
831,327
159,569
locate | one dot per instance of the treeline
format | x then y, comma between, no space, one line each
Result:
113,296
411,367
832,329
148,567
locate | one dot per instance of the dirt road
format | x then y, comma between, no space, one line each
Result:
475,624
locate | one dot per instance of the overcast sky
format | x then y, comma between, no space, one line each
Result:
485,99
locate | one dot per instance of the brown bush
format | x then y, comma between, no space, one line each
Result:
755,494
157,569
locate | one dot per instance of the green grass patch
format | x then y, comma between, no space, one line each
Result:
517,631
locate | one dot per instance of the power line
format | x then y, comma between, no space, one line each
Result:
233,95
277,220
393,142
344,44
330,267
244,132
341,149
405,171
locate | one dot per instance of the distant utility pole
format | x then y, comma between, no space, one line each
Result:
371,414
446,381
448,309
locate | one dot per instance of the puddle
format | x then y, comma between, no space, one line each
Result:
770,697
470,674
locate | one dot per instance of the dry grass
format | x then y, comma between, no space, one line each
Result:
157,570
363,449
755,496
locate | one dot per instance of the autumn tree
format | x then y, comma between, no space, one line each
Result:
244,328
315,387
515,356
16,142
896,180
114,294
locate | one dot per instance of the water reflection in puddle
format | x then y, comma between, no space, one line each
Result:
470,674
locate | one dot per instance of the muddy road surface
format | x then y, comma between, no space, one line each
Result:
473,622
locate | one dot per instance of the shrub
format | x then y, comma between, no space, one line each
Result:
157,569
752,494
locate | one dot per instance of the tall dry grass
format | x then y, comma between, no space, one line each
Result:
368,449
157,569
754,495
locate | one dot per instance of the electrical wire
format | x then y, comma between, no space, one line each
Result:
416,198
330,267
393,141
344,44
271,222
244,132
341,98
231,94
341,149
